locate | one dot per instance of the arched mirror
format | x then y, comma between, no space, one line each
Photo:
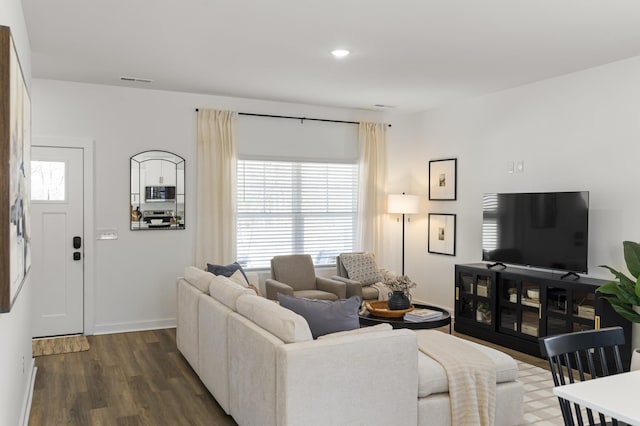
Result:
157,191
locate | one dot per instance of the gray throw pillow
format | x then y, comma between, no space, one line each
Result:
324,316
226,270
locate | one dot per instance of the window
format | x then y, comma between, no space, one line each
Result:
286,207
48,180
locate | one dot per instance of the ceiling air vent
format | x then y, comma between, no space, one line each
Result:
136,79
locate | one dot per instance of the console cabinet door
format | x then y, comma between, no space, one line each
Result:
519,307
474,292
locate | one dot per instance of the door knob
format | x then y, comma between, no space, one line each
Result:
77,243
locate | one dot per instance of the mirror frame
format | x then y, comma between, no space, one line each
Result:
169,214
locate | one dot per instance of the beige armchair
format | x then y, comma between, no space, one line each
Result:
294,275
354,286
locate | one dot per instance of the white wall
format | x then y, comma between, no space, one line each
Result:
576,132
134,282
16,362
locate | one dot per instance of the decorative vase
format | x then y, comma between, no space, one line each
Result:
398,300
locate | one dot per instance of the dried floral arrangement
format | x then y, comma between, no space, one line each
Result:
397,282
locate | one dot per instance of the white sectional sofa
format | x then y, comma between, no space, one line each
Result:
261,364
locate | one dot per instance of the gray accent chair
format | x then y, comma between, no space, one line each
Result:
354,288
294,275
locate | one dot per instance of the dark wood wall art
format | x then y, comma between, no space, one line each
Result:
15,157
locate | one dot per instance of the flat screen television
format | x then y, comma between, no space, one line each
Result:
544,229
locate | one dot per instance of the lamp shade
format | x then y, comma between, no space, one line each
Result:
403,204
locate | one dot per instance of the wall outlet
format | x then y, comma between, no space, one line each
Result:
509,166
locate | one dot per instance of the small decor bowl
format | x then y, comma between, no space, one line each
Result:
380,308
533,293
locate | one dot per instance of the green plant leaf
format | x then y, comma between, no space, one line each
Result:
609,288
628,295
632,257
623,309
620,276
638,287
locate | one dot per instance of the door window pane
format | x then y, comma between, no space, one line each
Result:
48,181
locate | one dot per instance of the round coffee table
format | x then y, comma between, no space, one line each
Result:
367,319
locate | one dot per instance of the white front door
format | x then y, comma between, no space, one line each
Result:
57,240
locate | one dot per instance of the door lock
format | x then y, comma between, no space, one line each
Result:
76,255
77,243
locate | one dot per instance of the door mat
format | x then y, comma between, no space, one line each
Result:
59,345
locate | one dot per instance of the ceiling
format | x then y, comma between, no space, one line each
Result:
411,55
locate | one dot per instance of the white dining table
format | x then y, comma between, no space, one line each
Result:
615,396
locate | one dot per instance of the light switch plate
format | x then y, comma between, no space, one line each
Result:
520,166
107,234
509,166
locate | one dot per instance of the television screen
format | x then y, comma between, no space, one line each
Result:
545,229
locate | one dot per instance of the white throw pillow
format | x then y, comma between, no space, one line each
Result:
238,278
361,267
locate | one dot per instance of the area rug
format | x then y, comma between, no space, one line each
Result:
59,345
541,407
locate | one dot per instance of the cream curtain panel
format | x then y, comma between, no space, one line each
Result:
372,141
215,188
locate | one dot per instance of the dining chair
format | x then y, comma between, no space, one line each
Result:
580,356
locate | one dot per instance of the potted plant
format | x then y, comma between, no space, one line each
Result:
624,294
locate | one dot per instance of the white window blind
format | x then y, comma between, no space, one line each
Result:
286,207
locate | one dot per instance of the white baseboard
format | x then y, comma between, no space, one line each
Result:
125,327
28,398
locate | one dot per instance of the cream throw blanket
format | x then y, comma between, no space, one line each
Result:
471,376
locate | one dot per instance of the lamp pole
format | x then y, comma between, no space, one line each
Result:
402,243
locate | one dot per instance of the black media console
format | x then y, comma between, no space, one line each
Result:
513,307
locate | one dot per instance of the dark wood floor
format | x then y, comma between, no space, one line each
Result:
134,379
124,379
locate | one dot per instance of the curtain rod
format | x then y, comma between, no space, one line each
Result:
298,118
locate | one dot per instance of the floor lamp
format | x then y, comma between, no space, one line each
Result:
403,204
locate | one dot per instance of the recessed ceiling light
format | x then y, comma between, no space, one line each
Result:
340,53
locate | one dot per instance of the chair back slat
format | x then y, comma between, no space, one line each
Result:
584,353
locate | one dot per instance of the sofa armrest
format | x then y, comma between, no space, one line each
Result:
389,358
332,286
354,288
274,287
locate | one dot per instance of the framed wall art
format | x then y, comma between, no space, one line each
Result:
15,151
442,234
443,183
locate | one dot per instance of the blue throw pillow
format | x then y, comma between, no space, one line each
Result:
324,316
226,270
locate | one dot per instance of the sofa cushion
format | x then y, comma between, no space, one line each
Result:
198,278
325,316
357,331
227,270
361,267
281,322
432,377
227,292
